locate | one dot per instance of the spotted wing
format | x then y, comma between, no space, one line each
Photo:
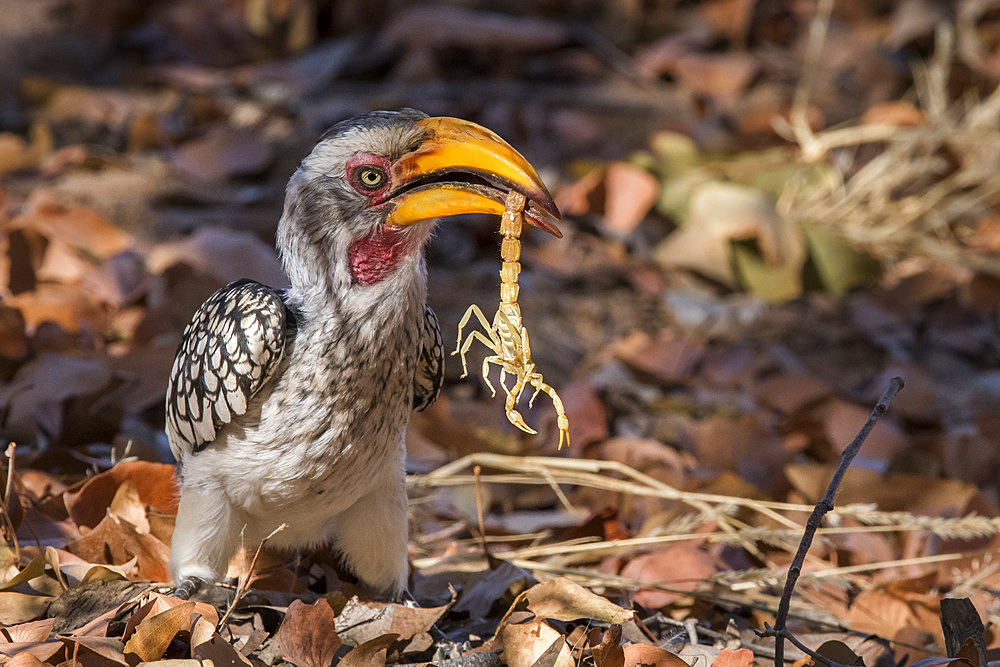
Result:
429,377
229,351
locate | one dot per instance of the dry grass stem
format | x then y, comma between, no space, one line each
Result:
245,579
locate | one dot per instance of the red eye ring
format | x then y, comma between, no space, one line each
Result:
369,177
369,174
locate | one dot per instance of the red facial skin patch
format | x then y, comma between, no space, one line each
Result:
376,256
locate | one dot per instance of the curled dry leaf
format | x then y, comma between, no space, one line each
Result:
526,643
370,654
154,483
839,652
888,609
119,541
609,652
127,506
720,213
360,622
651,656
307,637
563,600
152,637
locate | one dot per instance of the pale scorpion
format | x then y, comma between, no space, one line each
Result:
507,337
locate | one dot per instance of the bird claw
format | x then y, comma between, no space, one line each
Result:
187,588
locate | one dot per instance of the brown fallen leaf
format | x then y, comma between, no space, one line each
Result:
524,645
790,392
220,652
679,566
159,603
720,213
103,651
152,637
32,653
222,153
116,540
563,600
609,652
839,652
223,254
741,657
670,357
888,608
78,226
20,607
359,622
127,506
651,656
841,421
154,483
34,631
630,195
307,637
370,654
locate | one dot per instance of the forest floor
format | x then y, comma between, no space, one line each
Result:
770,209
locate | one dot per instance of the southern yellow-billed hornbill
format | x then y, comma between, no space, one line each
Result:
289,406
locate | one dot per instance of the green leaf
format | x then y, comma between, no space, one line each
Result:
838,264
775,284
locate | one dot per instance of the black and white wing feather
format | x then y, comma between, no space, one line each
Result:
230,349
429,377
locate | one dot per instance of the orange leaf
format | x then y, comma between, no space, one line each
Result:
653,656
154,482
741,657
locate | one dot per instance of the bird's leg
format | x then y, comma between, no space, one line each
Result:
206,536
371,534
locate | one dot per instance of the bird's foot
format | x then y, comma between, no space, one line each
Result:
407,600
187,588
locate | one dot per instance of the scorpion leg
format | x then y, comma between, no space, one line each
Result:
459,348
474,336
493,359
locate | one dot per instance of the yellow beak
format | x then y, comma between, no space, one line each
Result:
432,180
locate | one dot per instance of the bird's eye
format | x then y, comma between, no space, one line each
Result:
370,177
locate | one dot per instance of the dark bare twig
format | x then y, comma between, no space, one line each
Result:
479,514
779,632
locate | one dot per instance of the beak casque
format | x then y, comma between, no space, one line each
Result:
423,189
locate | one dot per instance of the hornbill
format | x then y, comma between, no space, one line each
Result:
290,405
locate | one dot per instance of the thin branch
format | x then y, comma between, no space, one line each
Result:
8,521
479,514
824,506
245,579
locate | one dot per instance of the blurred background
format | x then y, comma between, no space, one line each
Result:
770,208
